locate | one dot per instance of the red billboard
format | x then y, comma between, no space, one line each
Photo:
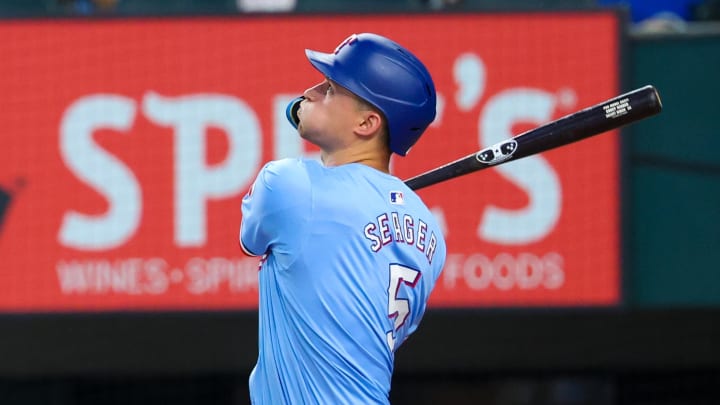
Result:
127,145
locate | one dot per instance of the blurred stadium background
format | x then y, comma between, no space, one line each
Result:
617,302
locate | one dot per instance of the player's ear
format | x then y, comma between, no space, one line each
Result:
369,122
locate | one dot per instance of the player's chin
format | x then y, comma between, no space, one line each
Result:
303,133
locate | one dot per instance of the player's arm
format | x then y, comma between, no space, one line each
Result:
272,209
245,249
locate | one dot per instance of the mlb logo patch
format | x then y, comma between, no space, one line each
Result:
396,197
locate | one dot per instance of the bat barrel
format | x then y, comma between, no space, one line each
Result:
610,114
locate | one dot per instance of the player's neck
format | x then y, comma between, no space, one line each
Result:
378,161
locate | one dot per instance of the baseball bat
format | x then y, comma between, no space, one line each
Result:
614,113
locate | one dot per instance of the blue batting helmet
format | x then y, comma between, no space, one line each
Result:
386,75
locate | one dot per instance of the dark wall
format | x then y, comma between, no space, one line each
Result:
673,198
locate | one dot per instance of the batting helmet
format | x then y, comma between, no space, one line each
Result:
386,75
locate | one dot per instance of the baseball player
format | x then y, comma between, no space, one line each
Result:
351,254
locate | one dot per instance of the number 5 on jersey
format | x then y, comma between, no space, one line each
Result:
399,308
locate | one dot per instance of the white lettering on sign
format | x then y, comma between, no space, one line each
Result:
505,271
100,170
131,276
195,182
533,174
154,276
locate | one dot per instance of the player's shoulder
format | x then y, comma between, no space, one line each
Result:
289,173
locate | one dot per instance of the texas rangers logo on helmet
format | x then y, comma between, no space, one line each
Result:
347,41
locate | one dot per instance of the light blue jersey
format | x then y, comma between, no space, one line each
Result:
352,255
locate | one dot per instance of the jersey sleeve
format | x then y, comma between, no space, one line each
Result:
275,209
